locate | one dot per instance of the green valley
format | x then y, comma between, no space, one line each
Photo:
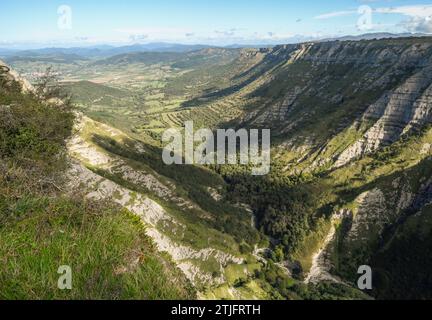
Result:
350,181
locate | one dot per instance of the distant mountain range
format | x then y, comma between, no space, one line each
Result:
105,51
377,36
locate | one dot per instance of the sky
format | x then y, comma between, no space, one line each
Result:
216,22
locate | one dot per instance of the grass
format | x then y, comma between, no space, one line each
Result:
97,242
43,228
234,272
311,244
200,232
251,290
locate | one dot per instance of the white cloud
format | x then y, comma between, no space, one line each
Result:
138,37
417,24
421,11
226,33
419,17
336,14
154,33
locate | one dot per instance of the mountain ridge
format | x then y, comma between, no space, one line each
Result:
351,170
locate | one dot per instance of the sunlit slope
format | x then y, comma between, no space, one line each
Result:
351,152
45,224
183,209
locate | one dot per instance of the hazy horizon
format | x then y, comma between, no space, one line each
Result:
77,23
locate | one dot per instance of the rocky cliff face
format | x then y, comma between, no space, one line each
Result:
379,89
403,52
397,112
333,107
10,77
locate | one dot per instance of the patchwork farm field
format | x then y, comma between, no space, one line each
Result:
144,93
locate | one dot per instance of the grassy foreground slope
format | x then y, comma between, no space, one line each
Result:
43,228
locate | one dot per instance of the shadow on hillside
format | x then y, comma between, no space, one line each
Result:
423,194
195,180
251,75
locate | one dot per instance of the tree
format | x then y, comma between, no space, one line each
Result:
48,87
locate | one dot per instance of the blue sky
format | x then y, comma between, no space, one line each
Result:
220,22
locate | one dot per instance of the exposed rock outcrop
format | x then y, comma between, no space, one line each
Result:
386,87
10,76
398,112
321,262
152,214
